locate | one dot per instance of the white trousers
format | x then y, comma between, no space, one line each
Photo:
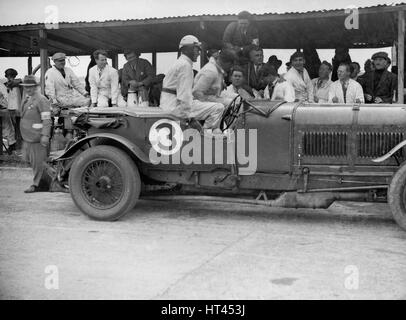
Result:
210,112
73,100
102,101
8,129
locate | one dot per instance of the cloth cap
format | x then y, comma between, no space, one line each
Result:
189,40
58,56
12,72
274,61
29,81
383,55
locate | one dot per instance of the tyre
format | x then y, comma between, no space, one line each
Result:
397,197
104,183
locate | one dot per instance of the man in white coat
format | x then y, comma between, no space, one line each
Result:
299,78
345,90
177,96
209,81
63,87
277,90
103,81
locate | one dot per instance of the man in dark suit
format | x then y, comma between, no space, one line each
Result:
254,69
35,127
137,75
379,85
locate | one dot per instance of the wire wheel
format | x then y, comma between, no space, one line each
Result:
102,184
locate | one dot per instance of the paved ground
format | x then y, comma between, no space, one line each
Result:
187,250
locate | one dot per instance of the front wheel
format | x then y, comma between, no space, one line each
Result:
397,197
104,183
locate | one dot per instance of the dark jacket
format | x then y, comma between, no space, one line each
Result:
35,118
233,37
385,89
144,72
255,80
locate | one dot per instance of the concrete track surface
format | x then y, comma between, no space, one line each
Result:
195,250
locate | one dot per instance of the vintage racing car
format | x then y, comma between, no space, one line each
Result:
294,155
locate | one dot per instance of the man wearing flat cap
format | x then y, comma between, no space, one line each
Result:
63,87
35,128
379,85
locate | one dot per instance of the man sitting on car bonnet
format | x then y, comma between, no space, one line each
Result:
63,87
177,96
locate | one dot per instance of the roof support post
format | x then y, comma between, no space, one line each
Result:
154,60
29,65
203,55
114,60
401,55
43,44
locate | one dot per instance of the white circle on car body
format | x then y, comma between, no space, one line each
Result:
159,137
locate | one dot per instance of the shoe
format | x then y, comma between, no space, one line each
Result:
32,189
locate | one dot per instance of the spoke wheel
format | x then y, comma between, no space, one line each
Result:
397,197
104,182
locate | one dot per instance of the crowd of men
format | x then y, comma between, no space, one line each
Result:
237,68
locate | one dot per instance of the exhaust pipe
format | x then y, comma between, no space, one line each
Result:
314,200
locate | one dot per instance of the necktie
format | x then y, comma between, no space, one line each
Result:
271,89
344,86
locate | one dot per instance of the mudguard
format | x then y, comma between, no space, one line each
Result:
134,149
390,153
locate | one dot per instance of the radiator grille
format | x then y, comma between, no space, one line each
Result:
376,144
325,144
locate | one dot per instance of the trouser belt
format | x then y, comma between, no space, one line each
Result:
171,91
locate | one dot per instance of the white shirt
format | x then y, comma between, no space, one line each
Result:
283,91
179,78
321,92
303,86
3,95
209,82
354,92
230,92
104,82
57,86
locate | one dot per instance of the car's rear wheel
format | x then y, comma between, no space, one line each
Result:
397,197
104,183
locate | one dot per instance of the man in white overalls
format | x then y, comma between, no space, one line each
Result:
63,87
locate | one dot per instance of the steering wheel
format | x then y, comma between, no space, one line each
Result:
231,113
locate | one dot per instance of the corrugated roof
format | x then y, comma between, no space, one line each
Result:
231,16
290,30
